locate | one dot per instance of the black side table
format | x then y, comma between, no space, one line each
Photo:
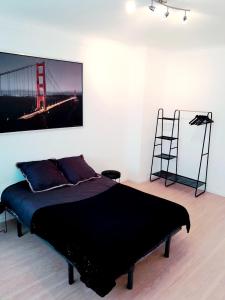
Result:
3,210
112,174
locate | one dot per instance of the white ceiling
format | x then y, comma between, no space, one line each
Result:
205,27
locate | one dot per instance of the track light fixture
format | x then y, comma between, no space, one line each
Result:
152,7
130,6
185,16
165,3
167,13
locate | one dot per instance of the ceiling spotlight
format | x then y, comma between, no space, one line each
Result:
167,13
185,16
152,7
130,6
168,7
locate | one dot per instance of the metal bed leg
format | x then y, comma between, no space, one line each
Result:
19,229
167,247
130,278
5,223
6,228
70,274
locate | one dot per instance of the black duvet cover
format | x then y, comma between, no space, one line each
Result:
103,236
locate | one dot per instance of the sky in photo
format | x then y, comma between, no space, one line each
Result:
67,75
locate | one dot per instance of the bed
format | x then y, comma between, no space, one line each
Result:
101,227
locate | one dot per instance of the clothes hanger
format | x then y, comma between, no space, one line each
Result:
192,122
200,119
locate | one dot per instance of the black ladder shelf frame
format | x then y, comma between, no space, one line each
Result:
170,177
171,139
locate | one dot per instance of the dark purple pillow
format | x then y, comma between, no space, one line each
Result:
76,169
42,175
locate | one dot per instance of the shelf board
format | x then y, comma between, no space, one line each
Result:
165,156
179,179
169,138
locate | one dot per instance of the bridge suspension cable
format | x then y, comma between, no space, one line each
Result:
29,81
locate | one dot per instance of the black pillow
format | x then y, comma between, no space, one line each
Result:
76,169
42,175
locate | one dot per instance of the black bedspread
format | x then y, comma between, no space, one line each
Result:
19,197
106,234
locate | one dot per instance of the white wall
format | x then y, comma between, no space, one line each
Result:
195,80
123,88
113,79
192,80
153,95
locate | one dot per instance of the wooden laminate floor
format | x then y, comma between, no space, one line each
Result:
31,270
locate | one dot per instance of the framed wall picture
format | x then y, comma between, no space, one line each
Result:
39,93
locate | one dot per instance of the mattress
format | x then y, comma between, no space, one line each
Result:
19,198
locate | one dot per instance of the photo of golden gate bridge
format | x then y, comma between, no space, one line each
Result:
38,93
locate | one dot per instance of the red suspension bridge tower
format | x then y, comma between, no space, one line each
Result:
41,86
30,81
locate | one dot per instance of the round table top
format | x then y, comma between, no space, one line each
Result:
113,174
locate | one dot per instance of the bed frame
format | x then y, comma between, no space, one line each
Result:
130,272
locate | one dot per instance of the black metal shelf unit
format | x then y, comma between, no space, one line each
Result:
174,177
